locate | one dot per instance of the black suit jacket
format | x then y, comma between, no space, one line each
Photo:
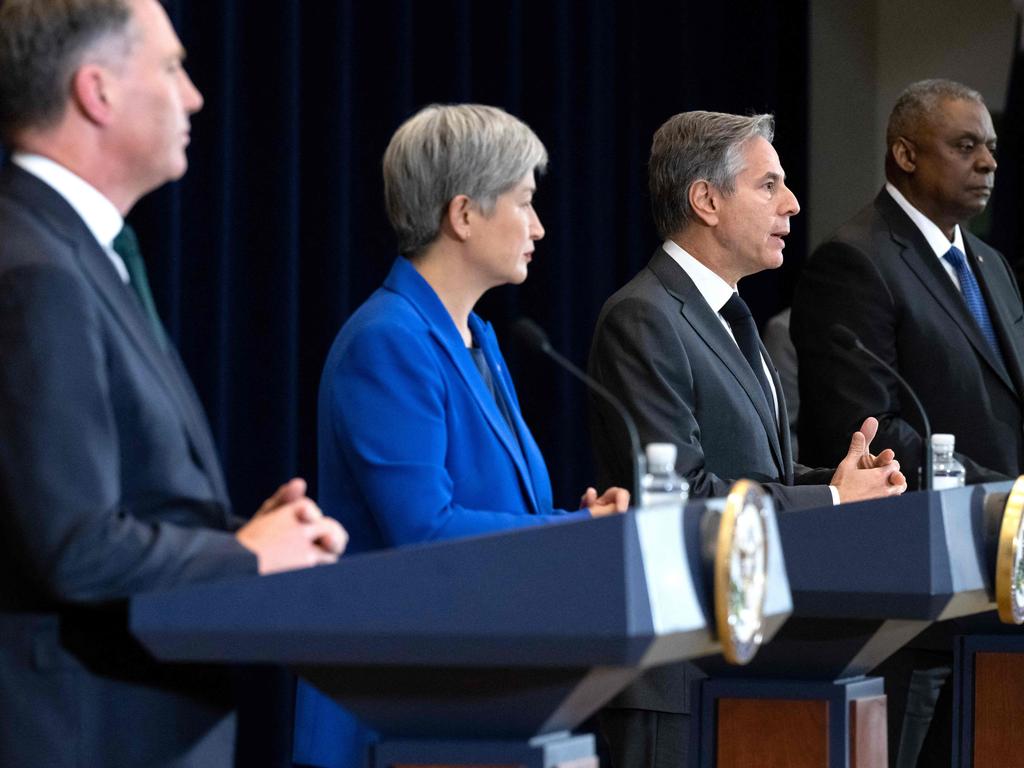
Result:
878,276
663,351
109,486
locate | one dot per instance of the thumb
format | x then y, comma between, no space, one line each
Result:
858,444
588,498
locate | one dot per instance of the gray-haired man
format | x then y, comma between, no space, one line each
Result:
678,346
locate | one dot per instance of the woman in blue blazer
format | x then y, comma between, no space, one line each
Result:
420,433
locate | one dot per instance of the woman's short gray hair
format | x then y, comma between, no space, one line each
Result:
448,150
695,146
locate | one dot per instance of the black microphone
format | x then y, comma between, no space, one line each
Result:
534,337
847,339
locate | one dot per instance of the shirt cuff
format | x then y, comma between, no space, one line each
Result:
835,494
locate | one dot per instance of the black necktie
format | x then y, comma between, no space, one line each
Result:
737,314
126,245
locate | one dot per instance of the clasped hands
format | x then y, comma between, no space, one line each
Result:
289,531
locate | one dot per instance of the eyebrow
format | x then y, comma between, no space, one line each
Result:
976,137
773,176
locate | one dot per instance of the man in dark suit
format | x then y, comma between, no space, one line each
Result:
679,347
930,299
109,480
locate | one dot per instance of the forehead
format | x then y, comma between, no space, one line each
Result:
153,27
760,158
960,116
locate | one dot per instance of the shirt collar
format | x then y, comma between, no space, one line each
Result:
99,214
936,240
714,289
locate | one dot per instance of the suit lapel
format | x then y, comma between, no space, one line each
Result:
99,273
406,281
991,276
921,260
708,326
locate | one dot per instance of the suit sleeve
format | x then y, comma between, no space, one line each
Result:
60,458
388,416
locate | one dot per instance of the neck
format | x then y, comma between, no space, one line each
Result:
438,266
921,202
701,243
85,158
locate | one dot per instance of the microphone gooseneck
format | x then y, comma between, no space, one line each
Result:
534,337
847,339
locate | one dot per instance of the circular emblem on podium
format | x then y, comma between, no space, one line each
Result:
1010,558
741,567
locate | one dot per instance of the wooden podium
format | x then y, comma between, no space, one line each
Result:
479,652
988,670
866,578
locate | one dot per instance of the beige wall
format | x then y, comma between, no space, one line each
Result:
863,53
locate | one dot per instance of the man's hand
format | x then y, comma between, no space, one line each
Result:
289,531
861,475
608,503
293,490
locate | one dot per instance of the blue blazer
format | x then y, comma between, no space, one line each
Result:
412,448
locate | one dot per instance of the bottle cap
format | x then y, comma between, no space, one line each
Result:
943,440
661,454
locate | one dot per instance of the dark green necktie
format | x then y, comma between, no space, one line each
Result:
126,245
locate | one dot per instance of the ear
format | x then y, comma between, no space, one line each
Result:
91,91
457,218
904,155
704,199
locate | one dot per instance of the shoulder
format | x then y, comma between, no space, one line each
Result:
385,332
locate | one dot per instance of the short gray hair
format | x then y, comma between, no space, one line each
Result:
447,150
919,101
42,44
694,146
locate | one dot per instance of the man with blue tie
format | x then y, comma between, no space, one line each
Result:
937,304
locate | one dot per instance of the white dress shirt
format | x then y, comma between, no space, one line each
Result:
100,215
937,241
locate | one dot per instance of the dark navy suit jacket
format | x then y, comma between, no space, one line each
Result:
109,486
878,276
412,448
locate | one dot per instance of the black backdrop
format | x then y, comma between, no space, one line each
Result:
278,232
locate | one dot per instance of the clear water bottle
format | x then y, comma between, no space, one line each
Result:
662,486
947,472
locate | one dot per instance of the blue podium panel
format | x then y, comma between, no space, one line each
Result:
868,577
508,635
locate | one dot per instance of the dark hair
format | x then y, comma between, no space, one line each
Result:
42,44
694,146
919,102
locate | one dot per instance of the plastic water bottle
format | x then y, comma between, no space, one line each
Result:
662,486
947,472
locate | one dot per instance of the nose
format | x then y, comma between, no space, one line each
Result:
536,228
191,99
789,205
986,160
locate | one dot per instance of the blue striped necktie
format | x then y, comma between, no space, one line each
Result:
972,296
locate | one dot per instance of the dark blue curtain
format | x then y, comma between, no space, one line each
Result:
278,232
